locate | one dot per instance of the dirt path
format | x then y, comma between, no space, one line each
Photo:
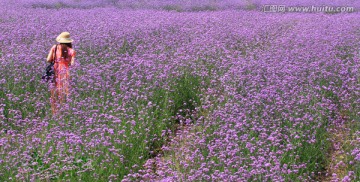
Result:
337,168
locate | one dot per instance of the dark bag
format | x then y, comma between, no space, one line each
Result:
49,71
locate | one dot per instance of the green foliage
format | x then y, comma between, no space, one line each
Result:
186,93
172,8
204,8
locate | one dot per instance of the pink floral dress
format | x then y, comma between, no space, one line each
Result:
62,74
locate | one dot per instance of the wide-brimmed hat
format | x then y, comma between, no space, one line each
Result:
64,37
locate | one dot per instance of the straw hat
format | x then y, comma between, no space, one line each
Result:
64,37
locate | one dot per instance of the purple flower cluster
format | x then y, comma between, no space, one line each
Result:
226,95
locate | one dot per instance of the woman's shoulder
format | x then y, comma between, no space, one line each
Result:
53,47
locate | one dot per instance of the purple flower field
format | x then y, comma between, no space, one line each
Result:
181,91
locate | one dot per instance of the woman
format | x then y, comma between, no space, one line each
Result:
63,56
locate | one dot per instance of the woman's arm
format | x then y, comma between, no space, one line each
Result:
73,58
72,61
50,56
